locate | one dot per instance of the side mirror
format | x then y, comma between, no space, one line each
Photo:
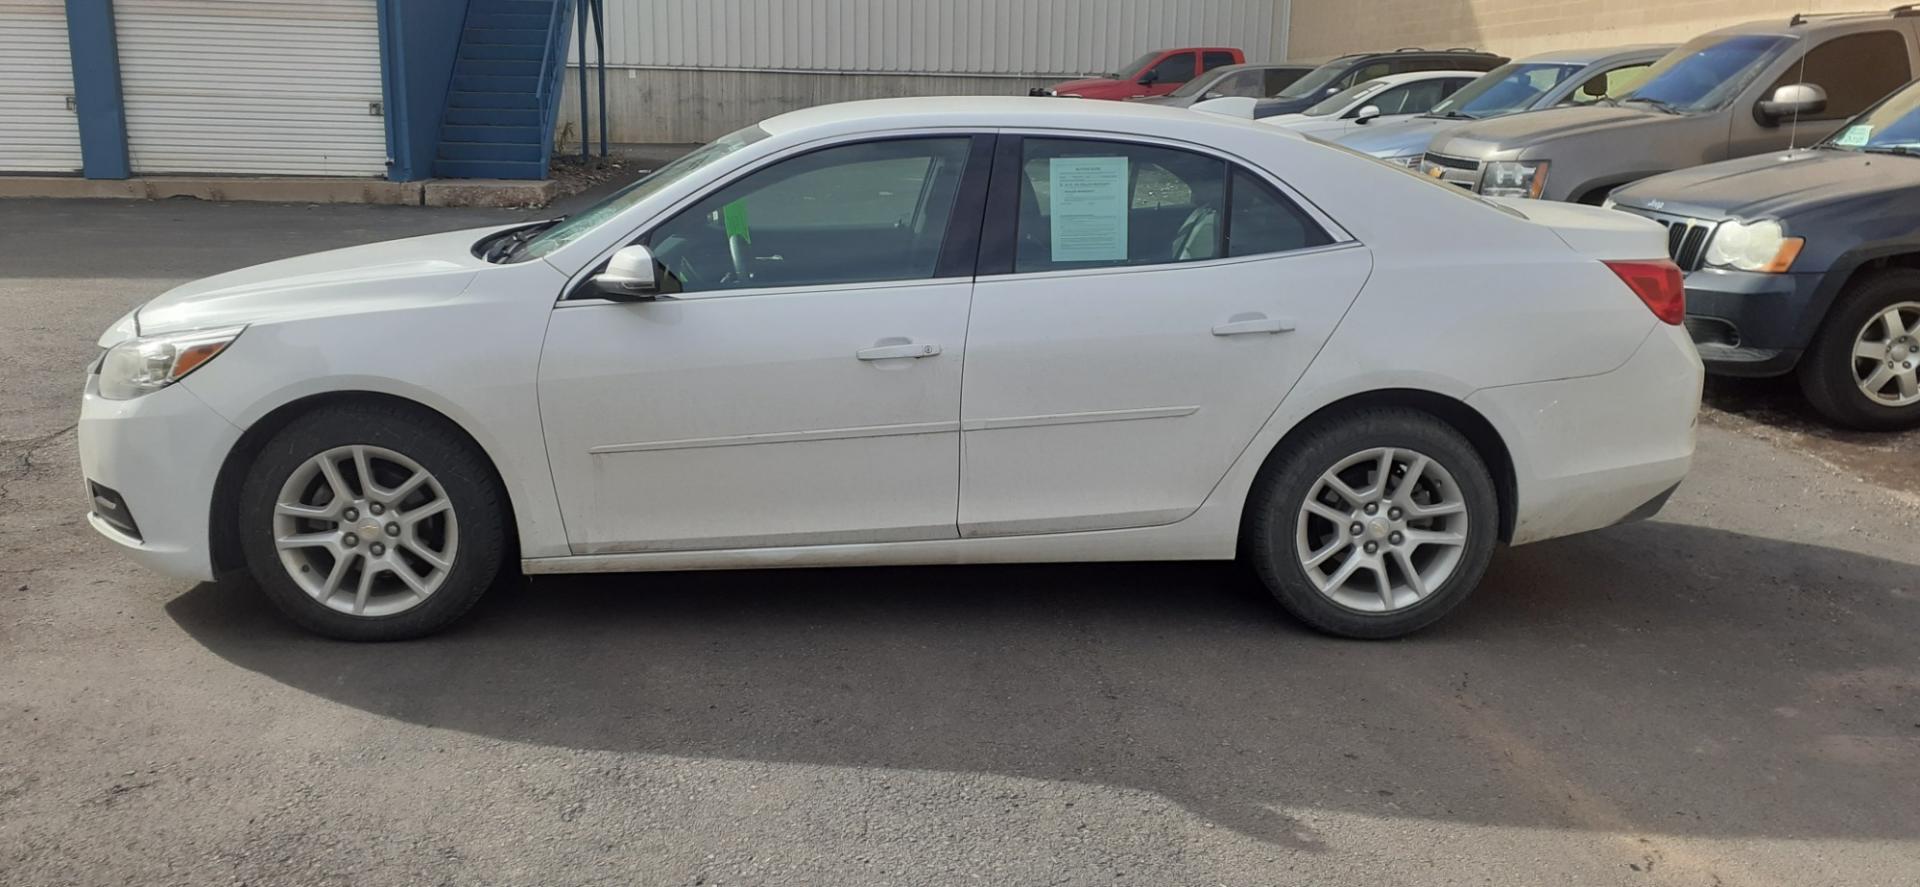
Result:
631,276
1366,115
1213,94
1792,100
1331,90
1150,78
1595,88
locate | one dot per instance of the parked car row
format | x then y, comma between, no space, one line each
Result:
1790,219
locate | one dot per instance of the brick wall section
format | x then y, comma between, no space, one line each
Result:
1325,28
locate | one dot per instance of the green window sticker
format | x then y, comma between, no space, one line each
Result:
735,216
1855,137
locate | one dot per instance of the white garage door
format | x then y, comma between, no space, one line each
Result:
262,87
37,132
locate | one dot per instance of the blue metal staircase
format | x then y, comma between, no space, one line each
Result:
505,91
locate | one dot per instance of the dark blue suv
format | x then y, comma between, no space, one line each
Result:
1808,262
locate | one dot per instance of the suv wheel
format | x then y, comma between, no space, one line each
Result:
1863,368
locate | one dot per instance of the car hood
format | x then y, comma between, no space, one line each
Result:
1097,84
1399,139
1774,185
1277,106
358,277
1305,125
1520,134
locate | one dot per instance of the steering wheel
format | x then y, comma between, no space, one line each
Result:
737,248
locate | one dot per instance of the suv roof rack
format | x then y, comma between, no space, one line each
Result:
1411,49
1901,11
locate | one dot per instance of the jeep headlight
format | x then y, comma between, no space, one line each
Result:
146,364
1753,246
1514,178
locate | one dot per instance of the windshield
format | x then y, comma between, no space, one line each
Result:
1132,70
1345,98
1707,72
578,224
1504,90
1892,127
1203,82
1316,78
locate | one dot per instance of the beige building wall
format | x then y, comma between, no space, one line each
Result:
1324,28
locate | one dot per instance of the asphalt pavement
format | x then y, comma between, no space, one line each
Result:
1726,695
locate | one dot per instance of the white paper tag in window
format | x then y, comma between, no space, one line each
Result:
1087,201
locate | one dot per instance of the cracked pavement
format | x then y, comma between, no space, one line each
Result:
1727,695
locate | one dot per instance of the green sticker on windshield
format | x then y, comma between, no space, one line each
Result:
735,216
1855,137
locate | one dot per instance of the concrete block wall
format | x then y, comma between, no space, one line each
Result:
1325,28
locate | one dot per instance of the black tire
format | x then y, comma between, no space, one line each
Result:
436,445
1826,370
1273,517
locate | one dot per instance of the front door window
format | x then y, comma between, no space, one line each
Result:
849,214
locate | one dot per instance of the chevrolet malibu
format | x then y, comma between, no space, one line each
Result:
925,331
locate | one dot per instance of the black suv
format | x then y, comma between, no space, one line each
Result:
1808,262
1347,70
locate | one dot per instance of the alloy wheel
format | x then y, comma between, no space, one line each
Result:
1886,356
365,530
1382,530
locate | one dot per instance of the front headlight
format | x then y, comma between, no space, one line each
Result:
144,365
1753,246
1514,178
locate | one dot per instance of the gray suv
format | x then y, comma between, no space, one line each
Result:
1735,92
1550,80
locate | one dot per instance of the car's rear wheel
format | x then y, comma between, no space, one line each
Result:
1373,525
1863,369
372,522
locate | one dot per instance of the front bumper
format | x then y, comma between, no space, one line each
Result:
161,454
1750,324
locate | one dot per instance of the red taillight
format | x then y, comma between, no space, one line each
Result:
1658,283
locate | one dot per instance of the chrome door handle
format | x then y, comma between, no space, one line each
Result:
1242,324
888,352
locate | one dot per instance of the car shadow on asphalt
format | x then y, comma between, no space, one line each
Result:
1654,678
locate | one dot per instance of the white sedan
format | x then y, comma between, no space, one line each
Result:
1386,99
917,331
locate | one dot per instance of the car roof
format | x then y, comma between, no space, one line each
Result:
1805,22
875,115
1591,56
1262,66
1415,76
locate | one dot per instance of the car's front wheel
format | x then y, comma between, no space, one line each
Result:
1373,525
1863,369
371,522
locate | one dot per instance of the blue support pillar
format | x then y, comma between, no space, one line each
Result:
96,89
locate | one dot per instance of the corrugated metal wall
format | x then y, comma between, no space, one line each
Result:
976,37
37,131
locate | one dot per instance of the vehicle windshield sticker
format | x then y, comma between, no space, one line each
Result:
1855,137
735,216
1088,201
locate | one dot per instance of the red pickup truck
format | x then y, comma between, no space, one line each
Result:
1157,73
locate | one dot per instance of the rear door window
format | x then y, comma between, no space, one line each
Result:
1856,70
1216,60
1088,203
